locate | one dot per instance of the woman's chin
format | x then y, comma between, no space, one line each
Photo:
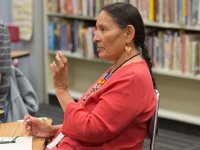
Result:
101,56
104,58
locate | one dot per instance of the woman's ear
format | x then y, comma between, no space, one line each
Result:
129,33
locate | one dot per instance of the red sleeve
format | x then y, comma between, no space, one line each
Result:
120,104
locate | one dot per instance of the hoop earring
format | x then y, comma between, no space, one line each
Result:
127,49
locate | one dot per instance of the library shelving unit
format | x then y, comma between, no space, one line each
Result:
180,96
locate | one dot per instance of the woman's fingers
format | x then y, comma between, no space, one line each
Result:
28,128
62,57
53,67
28,123
59,60
29,133
26,117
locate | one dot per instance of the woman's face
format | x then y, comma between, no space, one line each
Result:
109,38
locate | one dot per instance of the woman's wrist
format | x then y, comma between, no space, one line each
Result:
54,129
61,91
64,98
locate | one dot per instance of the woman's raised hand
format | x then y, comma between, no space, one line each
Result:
59,71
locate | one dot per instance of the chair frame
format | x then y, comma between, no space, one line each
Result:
154,120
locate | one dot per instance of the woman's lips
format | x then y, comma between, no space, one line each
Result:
99,48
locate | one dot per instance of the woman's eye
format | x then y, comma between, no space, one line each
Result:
102,29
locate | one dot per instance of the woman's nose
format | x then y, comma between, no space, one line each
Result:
96,37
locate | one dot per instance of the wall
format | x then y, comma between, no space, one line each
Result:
32,66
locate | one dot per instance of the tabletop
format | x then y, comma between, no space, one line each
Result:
13,129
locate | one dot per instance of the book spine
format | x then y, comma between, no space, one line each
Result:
151,10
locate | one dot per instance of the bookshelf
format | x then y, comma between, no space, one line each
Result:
172,26
179,90
19,53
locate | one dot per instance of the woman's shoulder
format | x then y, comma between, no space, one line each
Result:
136,72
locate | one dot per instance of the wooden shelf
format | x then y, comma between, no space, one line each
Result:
74,17
172,26
176,74
19,53
79,56
179,116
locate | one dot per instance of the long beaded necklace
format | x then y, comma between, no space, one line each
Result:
102,81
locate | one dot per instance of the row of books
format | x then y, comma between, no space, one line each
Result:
175,51
89,8
183,12
59,35
71,36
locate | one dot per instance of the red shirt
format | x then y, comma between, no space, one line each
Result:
115,116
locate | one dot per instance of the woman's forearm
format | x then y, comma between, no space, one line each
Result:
64,98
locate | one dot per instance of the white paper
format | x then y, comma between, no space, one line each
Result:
55,141
22,143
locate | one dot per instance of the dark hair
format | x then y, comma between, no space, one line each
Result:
125,14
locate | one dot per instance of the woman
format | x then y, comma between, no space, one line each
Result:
114,112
